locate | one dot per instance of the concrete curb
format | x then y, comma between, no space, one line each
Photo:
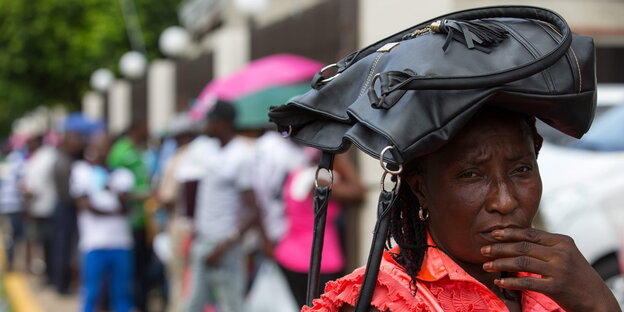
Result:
18,291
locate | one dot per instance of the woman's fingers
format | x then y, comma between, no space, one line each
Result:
527,234
524,283
518,264
558,261
522,248
533,251
516,242
529,250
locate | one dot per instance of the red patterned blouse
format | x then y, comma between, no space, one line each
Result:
442,286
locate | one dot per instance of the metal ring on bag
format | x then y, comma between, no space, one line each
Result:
397,185
286,134
331,177
383,164
326,80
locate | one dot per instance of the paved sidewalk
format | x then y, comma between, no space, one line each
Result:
23,292
48,299
19,293
23,295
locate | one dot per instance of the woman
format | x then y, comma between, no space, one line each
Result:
464,235
423,102
292,253
105,238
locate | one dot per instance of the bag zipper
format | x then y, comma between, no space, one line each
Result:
386,48
576,62
371,72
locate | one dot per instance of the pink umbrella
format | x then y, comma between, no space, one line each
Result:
271,71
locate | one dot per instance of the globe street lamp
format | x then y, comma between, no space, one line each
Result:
174,41
101,80
132,65
251,7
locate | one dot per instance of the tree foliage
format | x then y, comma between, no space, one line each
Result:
49,48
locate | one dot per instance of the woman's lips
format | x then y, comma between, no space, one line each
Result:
497,227
487,234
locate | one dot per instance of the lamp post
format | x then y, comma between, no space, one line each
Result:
95,104
174,43
133,66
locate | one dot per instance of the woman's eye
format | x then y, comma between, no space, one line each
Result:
468,175
522,169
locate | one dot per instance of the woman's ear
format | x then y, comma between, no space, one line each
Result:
416,181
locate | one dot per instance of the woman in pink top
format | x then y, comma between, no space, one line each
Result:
292,253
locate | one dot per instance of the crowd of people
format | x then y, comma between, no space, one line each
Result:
187,218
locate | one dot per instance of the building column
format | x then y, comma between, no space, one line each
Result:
380,19
119,111
161,95
226,59
93,105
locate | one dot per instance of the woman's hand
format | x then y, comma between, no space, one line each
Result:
217,253
567,277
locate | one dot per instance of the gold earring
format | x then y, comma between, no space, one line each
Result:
423,216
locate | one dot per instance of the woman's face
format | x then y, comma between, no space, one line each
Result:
486,178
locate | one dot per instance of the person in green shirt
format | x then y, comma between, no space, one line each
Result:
127,152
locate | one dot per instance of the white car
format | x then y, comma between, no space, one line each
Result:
583,197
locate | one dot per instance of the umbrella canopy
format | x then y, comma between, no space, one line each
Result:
253,109
264,73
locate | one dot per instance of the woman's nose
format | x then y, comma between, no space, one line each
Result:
501,198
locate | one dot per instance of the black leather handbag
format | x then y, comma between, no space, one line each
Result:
432,77
408,94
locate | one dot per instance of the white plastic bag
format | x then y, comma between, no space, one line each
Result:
270,291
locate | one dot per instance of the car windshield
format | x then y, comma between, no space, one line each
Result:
605,132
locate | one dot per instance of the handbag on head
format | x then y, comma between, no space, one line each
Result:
415,89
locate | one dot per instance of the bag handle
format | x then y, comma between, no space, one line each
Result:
321,199
530,68
388,200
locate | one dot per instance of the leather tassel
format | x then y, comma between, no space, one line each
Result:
477,34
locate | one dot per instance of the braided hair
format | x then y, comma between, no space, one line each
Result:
409,233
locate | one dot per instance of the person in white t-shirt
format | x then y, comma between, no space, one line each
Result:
275,159
225,210
11,203
105,236
40,196
183,131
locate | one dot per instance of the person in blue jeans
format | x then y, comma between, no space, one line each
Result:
105,237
